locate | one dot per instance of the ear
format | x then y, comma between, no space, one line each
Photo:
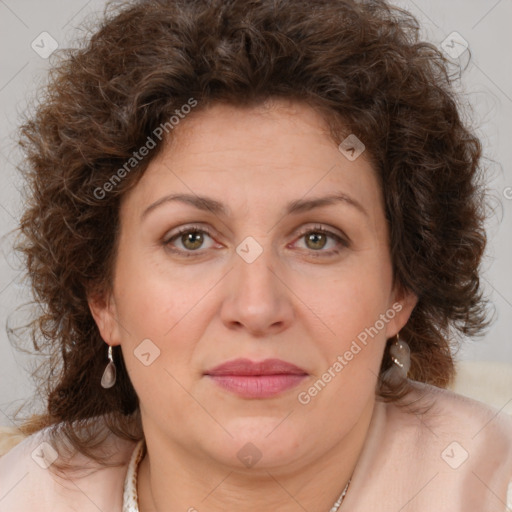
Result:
104,312
402,303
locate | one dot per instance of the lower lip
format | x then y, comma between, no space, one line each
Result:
257,386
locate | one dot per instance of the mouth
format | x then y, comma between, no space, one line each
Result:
263,379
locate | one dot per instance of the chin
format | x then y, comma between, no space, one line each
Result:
260,442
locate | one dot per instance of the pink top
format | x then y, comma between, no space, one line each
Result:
456,457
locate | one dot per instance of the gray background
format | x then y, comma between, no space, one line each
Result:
486,85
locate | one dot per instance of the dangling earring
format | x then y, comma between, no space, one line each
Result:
400,355
109,375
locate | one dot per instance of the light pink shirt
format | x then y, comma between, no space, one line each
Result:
457,457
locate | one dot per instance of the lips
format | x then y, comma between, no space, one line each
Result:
247,367
263,379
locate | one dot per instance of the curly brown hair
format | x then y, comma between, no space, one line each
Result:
361,64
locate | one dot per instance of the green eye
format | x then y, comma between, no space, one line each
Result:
316,240
188,239
192,240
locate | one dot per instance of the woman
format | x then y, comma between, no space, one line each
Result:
255,228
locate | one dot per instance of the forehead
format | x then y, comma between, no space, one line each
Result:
283,123
278,151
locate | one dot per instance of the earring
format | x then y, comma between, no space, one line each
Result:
109,375
400,355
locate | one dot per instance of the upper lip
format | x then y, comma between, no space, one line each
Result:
248,367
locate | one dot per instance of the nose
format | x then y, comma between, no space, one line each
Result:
257,298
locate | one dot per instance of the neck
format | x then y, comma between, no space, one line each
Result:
173,479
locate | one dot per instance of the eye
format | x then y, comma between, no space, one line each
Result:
189,239
317,239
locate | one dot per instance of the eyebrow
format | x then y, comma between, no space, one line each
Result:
294,207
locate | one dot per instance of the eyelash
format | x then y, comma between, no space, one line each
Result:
203,229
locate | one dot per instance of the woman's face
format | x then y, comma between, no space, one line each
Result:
273,271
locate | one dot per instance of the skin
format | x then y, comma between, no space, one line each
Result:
294,302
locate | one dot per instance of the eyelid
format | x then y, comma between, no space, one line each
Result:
186,228
324,228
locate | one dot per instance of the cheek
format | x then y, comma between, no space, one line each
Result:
354,299
352,307
151,300
159,320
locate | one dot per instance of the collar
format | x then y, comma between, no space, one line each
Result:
130,498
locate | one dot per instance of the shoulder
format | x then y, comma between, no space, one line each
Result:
437,450
31,477
455,431
444,415
9,437
464,445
